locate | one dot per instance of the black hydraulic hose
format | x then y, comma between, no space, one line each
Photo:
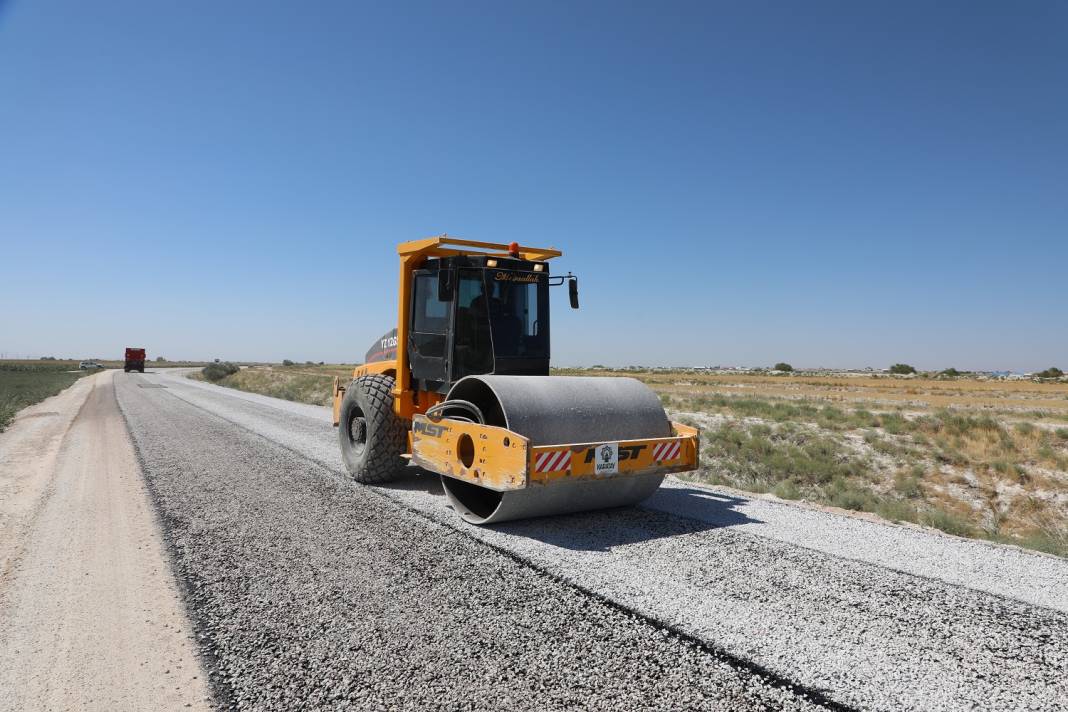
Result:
433,412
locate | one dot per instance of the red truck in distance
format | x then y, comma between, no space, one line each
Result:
135,360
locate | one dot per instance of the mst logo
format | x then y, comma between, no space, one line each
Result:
434,431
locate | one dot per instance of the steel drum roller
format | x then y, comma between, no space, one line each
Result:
550,410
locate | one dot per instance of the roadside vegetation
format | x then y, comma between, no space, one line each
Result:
24,383
303,383
215,372
967,475
998,474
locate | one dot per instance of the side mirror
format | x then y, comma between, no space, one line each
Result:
445,285
572,292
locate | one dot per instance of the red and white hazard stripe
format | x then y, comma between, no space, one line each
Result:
552,461
670,450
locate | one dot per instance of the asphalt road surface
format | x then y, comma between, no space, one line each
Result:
305,589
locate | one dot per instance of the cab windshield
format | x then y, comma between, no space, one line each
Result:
501,314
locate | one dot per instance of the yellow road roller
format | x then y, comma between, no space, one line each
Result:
461,387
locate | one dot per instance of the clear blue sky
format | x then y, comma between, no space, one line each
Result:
841,184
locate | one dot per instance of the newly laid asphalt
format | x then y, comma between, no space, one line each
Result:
308,590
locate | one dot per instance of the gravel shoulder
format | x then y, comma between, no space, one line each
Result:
1000,569
90,617
831,602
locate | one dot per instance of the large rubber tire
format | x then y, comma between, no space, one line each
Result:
372,437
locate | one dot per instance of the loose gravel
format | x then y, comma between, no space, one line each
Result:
733,575
310,592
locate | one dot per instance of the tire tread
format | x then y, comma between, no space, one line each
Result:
387,434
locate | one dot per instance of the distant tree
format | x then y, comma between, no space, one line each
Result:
1052,372
951,372
902,369
48,358
781,366
287,362
216,360
321,363
160,359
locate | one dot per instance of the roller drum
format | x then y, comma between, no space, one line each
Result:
551,410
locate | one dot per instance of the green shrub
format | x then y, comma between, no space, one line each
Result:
902,369
1053,372
1049,542
895,423
848,495
947,522
766,456
287,362
907,485
787,489
219,371
895,510
782,366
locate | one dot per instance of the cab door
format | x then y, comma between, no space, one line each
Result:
428,332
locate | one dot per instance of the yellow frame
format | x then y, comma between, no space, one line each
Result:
501,460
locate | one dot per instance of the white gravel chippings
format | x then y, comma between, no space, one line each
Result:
309,592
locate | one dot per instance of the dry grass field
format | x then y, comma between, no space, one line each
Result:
303,383
984,459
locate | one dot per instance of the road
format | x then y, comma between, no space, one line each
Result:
306,589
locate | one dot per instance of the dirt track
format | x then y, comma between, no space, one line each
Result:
90,618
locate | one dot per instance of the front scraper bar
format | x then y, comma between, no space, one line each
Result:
501,460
